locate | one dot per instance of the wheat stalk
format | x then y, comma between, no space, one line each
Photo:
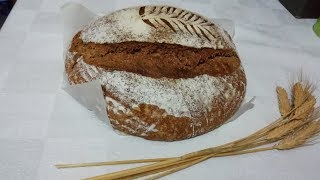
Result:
208,157
148,173
60,166
180,167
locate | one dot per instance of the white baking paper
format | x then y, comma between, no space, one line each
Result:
75,17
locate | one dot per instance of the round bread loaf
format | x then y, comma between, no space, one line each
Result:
166,73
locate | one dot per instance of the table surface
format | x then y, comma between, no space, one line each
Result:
41,125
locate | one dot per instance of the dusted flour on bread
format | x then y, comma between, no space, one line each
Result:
162,24
166,73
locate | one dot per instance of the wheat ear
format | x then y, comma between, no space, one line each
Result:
283,101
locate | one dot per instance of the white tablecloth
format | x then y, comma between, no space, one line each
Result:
40,125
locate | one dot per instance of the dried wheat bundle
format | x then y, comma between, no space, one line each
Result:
299,124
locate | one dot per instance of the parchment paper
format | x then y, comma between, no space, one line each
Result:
75,17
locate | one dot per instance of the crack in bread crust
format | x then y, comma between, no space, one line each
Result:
157,60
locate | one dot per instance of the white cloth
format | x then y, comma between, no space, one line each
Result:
41,125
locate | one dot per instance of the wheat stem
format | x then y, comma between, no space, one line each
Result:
147,173
180,168
60,166
137,170
207,157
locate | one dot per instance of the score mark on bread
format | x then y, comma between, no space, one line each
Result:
176,20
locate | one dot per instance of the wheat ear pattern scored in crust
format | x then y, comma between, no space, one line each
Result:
177,20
